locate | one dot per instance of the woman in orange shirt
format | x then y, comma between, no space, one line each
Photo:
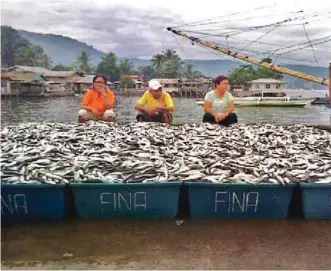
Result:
98,102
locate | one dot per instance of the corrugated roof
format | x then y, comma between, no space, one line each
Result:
202,80
25,77
60,73
168,80
29,69
87,79
267,81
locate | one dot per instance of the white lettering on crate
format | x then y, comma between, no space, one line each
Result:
14,204
120,201
235,202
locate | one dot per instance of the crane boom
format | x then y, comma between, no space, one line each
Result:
271,66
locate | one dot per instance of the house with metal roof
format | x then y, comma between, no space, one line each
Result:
18,68
266,84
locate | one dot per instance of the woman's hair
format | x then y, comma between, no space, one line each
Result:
102,76
219,79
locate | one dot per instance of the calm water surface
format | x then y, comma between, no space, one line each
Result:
65,109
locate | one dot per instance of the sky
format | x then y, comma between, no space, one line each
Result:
138,28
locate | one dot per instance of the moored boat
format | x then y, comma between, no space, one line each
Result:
269,99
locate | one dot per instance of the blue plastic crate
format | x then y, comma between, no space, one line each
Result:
208,200
130,200
28,202
316,201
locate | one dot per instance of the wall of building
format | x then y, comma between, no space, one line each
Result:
27,89
5,87
264,87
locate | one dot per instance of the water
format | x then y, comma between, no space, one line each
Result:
65,109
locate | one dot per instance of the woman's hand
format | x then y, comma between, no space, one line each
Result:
220,116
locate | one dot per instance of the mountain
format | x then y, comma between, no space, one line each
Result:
64,50
61,49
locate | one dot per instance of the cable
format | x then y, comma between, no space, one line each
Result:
255,53
260,37
242,19
307,46
227,15
271,52
180,46
304,28
247,29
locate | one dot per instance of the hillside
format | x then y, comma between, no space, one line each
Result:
64,50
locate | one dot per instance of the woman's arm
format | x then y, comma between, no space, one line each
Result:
108,99
207,106
230,107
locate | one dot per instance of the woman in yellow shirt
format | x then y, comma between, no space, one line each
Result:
155,105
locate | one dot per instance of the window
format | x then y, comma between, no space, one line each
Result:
267,86
277,86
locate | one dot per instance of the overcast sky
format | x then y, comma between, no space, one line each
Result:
137,28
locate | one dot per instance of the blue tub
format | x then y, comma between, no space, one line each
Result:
316,201
28,202
208,200
130,200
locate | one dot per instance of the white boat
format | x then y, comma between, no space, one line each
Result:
269,99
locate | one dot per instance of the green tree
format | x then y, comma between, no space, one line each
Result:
127,82
157,63
169,54
147,71
248,73
126,67
266,73
167,64
243,74
108,66
45,61
83,62
32,55
25,56
11,43
190,72
173,65
197,74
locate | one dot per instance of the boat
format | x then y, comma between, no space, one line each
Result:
269,99
321,101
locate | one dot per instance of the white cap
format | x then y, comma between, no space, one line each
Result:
154,84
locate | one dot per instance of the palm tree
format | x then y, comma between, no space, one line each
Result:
169,54
127,67
197,74
188,70
83,62
46,61
108,66
158,63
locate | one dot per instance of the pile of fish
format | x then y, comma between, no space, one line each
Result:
61,153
